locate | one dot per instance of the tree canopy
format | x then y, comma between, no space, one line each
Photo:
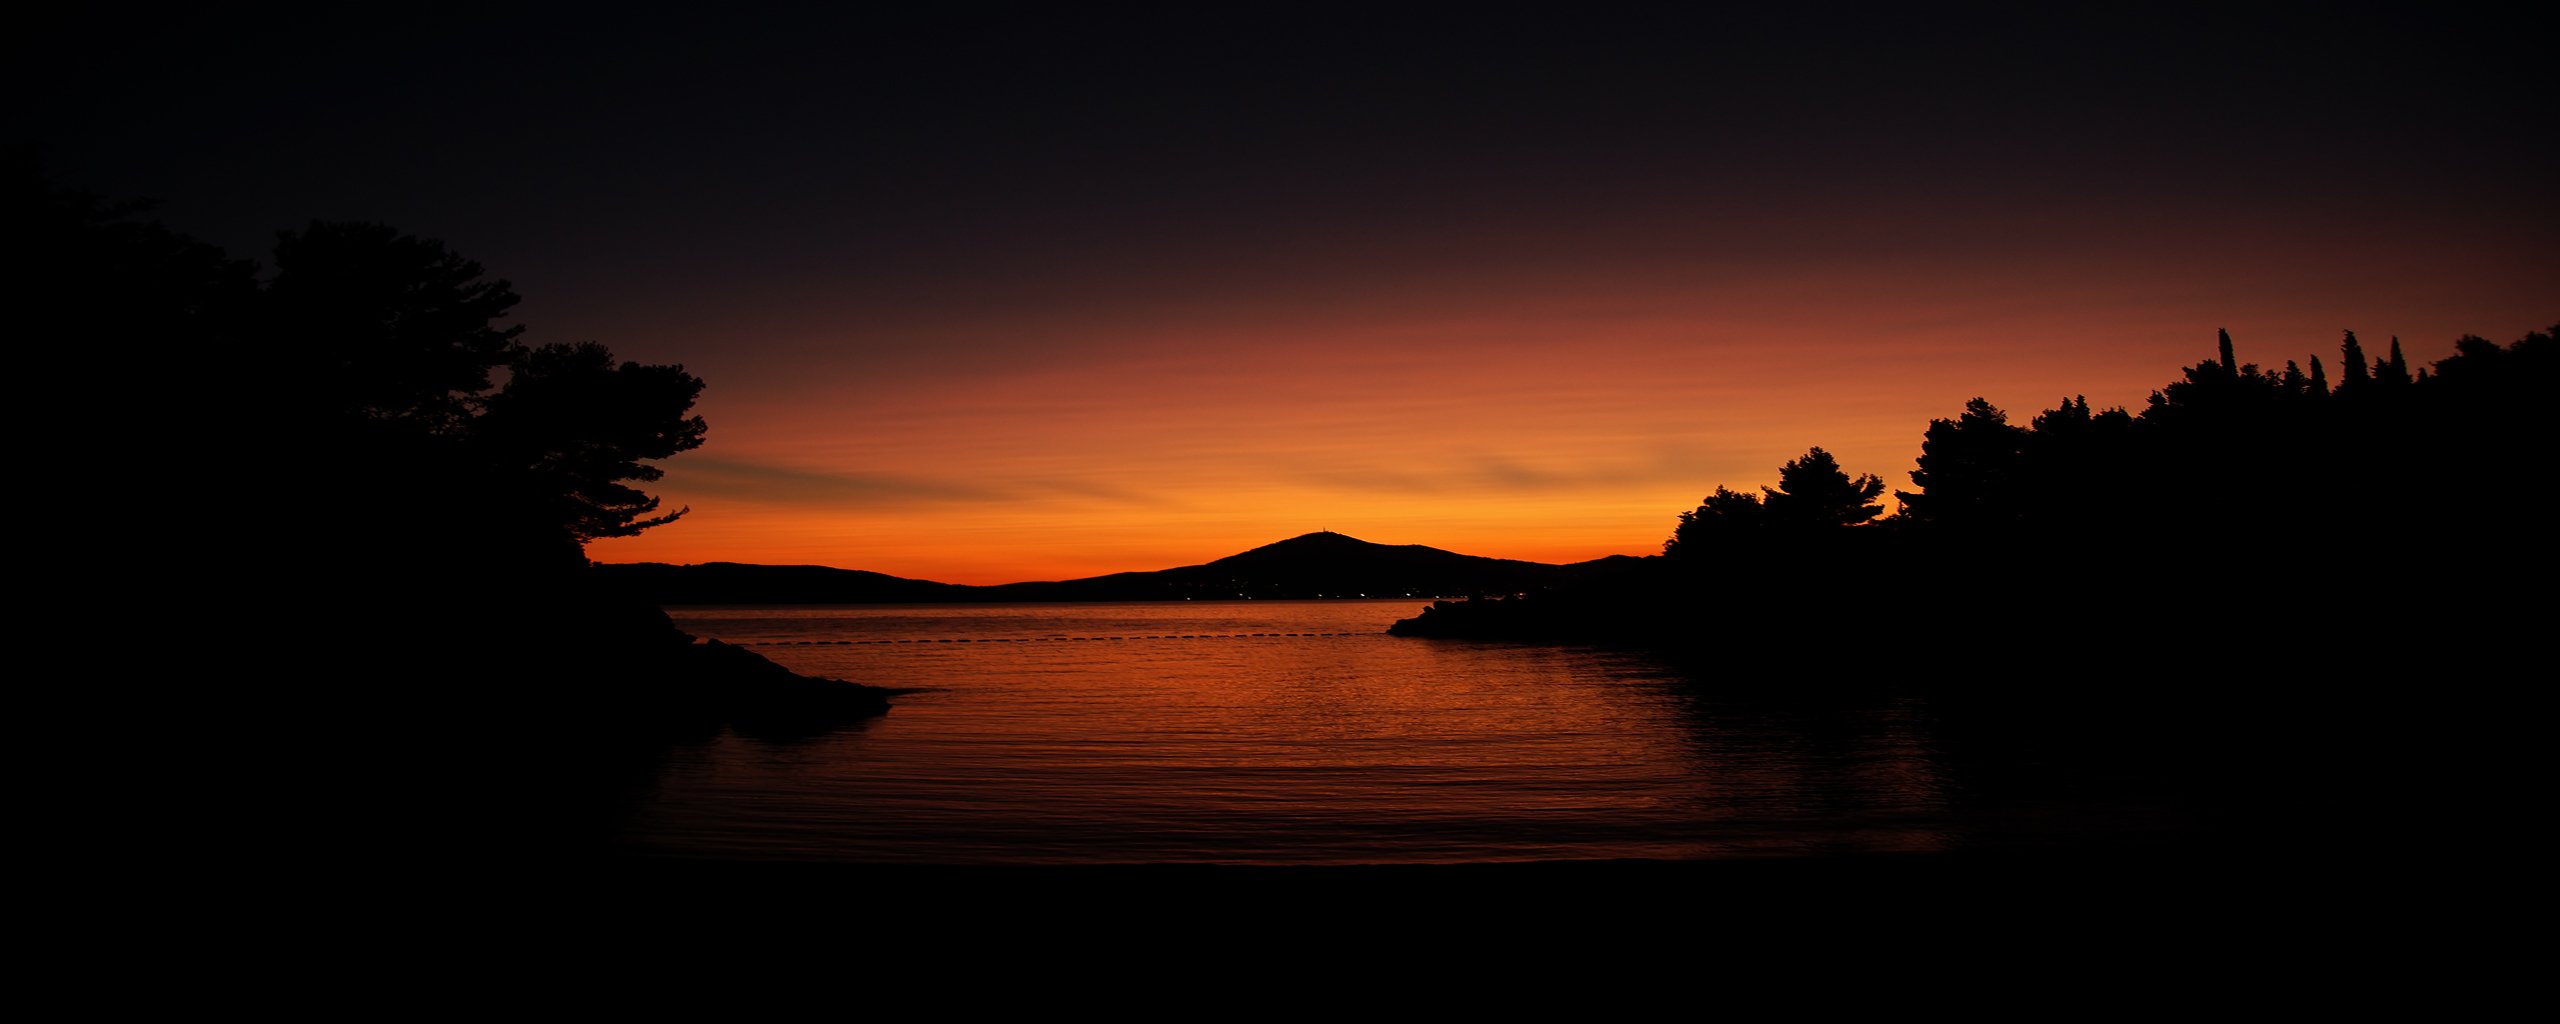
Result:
397,348
357,442
2230,451
577,425
1814,493
388,326
2220,463
362,397
1725,515
1968,467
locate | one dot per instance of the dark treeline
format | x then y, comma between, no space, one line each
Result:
2307,607
2235,462
2273,517
381,495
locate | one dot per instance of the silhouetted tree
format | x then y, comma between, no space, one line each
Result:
386,326
1812,495
2392,373
1813,492
1725,516
2479,416
2478,363
2076,465
405,488
398,426
1968,469
575,425
2217,394
2359,375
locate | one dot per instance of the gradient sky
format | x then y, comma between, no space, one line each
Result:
987,296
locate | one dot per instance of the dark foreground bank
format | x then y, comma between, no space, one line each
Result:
2167,915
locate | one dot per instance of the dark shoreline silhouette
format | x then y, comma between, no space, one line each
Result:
354,430
2307,610
1307,567
2247,512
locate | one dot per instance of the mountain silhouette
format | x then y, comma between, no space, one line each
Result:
1333,565
1315,565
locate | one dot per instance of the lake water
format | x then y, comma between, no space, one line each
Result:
1300,733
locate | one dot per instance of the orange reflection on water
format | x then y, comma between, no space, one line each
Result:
1277,732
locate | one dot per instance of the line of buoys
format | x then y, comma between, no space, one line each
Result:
1030,639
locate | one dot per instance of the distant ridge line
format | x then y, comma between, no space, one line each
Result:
1037,639
1314,566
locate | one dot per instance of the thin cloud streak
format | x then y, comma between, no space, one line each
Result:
784,485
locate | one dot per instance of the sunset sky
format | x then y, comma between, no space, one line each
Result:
989,297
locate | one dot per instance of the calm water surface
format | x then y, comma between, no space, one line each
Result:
1299,733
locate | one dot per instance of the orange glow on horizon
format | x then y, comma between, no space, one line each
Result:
1533,429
